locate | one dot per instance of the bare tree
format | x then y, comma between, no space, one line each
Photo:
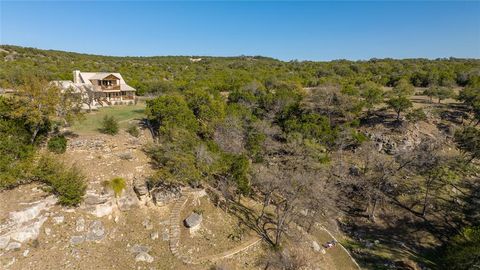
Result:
285,194
283,260
369,178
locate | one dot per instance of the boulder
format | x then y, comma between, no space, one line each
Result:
193,221
128,200
140,187
101,210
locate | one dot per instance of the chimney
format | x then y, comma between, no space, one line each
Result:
76,76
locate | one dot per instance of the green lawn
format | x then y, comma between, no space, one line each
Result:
123,113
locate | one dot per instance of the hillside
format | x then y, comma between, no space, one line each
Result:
241,163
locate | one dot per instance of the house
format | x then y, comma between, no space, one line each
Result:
100,88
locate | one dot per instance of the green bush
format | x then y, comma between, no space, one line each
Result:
109,125
57,144
117,184
416,115
68,183
133,130
462,252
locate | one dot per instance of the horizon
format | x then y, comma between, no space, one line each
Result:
253,56
286,31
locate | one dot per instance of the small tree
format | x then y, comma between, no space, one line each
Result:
399,104
372,94
109,125
444,93
68,183
470,96
403,88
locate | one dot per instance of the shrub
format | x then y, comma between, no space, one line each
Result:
117,184
109,125
68,183
416,115
57,144
463,251
133,130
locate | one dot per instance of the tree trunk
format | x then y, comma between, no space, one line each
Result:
35,132
374,208
398,116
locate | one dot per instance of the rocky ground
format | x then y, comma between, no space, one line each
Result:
128,232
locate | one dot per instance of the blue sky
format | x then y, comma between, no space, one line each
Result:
284,30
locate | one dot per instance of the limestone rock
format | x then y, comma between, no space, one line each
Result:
128,200
14,246
4,241
316,247
139,248
94,199
102,210
32,212
28,232
193,221
80,224
154,235
143,257
140,187
165,236
58,219
96,231
77,239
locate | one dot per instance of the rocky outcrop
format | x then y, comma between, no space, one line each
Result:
24,225
127,200
165,195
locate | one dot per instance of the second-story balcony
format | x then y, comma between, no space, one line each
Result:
106,87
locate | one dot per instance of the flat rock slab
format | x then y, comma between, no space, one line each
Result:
139,249
96,231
